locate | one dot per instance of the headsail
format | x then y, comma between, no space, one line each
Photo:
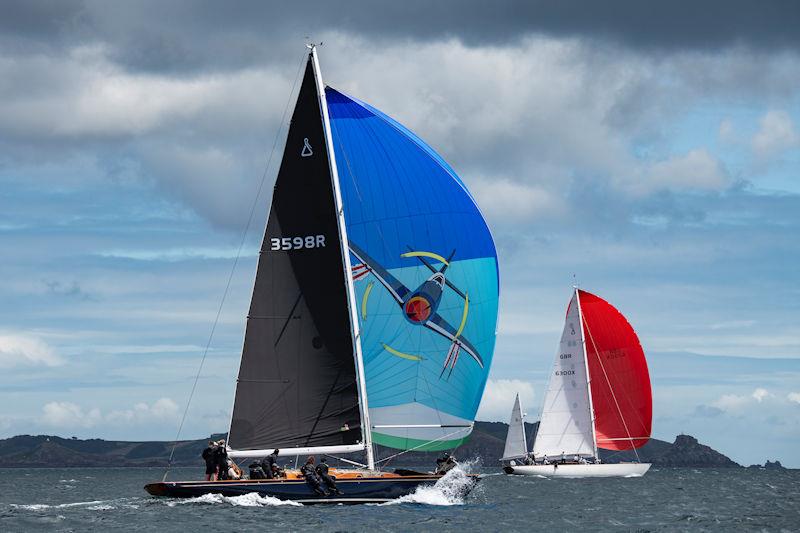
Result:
426,279
297,379
516,446
621,394
566,422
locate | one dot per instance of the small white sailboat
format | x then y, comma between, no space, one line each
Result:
516,448
598,396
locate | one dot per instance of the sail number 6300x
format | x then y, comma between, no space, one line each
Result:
297,243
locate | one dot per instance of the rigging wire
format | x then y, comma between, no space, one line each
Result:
233,268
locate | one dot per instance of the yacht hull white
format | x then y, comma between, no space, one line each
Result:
581,470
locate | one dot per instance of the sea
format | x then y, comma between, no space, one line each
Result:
666,499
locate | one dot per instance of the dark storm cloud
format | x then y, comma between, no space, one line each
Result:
198,34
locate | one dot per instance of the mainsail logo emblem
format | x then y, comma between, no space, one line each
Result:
306,151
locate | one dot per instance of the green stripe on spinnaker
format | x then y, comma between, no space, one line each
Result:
418,445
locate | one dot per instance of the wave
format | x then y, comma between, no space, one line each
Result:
250,499
42,506
452,489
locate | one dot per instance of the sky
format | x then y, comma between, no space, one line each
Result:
649,153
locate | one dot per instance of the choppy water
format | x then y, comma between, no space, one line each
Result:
663,500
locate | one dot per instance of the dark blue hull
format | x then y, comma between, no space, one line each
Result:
357,490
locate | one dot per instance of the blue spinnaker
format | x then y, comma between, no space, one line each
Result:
425,276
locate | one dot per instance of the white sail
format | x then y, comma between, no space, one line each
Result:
515,440
566,422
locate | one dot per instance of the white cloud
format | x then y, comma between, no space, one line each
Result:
776,134
759,394
518,202
793,397
729,402
736,402
498,399
697,169
22,350
70,415
86,94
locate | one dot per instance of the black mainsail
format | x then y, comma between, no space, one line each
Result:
297,385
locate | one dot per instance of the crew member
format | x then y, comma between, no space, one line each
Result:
209,456
322,472
269,461
312,479
221,460
257,471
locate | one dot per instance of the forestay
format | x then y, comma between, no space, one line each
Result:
425,275
566,422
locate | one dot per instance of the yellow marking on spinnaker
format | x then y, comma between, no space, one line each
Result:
364,300
426,254
464,315
401,354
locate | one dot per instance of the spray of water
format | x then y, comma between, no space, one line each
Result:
452,489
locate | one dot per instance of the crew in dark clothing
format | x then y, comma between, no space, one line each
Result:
322,472
312,479
445,463
209,456
271,459
222,460
257,471
277,472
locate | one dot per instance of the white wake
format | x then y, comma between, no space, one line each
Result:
251,499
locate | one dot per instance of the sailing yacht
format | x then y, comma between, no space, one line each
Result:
374,307
598,396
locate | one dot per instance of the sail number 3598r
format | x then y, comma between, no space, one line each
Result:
297,243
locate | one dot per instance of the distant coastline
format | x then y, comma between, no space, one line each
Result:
486,443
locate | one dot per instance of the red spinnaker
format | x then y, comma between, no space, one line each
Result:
620,382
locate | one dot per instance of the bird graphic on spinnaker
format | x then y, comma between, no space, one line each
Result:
419,306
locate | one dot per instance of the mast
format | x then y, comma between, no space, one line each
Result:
588,375
343,243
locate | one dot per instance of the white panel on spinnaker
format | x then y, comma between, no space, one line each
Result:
566,422
515,440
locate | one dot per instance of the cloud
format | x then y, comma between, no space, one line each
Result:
697,169
25,351
505,200
735,402
793,397
730,402
144,38
776,134
70,415
163,409
498,399
759,394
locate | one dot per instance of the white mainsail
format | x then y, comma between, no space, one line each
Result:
516,446
566,423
